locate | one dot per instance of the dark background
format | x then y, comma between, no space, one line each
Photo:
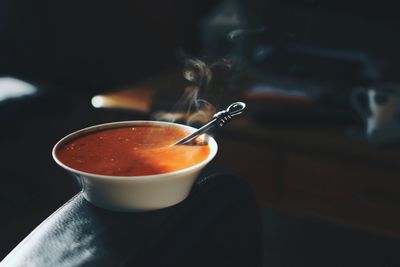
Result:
72,50
99,45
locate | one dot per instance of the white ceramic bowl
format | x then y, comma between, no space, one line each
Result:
135,193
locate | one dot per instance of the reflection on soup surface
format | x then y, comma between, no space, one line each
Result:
131,151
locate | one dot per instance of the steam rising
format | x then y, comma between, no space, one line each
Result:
192,108
207,81
198,72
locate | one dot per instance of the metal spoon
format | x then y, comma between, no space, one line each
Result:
219,119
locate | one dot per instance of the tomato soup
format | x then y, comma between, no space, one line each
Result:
131,151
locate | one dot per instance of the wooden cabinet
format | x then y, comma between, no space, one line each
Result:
320,173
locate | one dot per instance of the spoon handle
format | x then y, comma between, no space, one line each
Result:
219,119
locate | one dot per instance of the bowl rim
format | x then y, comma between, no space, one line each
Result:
211,143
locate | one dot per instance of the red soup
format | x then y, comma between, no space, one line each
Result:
131,151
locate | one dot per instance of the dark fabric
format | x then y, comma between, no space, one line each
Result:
217,225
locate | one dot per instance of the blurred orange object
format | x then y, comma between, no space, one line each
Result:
138,99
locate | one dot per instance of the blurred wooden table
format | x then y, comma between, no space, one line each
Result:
313,171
